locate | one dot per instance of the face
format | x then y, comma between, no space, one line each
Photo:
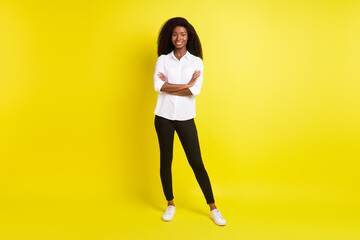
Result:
179,37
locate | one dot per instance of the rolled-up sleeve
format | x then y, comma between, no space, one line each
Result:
159,67
195,89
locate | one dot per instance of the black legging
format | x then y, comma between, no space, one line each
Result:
187,133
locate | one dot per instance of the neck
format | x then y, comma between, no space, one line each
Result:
180,52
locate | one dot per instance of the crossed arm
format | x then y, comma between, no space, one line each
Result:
178,89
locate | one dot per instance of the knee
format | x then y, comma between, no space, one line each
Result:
165,162
166,158
198,166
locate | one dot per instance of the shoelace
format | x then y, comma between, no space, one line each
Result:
168,211
218,215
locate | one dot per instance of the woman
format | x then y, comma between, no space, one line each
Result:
178,79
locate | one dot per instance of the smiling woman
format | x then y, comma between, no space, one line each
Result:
179,37
178,79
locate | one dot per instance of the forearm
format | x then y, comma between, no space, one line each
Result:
176,89
183,92
168,87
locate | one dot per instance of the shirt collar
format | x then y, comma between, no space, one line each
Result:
187,55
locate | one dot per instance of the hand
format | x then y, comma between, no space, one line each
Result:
194,78
161,76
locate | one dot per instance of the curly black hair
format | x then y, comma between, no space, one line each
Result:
165,45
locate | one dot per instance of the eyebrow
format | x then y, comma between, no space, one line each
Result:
180,32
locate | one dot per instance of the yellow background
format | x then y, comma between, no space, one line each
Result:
278,120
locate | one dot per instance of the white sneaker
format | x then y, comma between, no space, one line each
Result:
169,213
216,216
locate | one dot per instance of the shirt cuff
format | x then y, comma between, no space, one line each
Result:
158,86
194,90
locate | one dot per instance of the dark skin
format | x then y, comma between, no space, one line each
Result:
179,39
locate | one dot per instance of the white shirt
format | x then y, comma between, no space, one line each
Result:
177,71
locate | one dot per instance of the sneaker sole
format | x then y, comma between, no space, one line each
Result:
217,223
